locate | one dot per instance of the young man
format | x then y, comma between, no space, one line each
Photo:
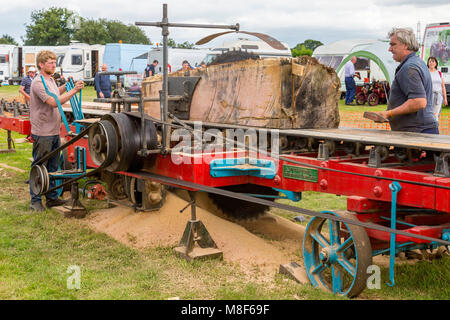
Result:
46,120
410,105
25,85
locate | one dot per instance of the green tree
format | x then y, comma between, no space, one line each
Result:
51,27
7,39
301,50
92,32
312,44
185,45
118,31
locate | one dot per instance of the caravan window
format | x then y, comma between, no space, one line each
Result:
59,60
250,46
2,58
77,60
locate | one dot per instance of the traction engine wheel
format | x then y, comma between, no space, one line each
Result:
373,99
336,255
360,98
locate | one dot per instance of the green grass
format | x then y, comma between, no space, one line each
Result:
9,92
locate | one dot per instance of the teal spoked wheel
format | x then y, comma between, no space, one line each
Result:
336,255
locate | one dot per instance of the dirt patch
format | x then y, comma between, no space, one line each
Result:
166,226
4,165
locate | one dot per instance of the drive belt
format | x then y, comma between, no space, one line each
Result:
240,196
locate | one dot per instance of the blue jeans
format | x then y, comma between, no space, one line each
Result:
431,130
350,89
42,146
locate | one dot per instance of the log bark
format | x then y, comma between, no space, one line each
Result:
271,93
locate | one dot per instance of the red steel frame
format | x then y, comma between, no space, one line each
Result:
369,198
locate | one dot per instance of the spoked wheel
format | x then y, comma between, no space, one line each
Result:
373,99
39,179
360,98
336,255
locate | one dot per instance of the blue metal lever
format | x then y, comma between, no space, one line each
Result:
395,188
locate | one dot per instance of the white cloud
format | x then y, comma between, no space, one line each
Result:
290,21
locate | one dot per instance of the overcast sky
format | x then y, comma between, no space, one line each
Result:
290,21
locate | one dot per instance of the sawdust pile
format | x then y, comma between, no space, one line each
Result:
165,228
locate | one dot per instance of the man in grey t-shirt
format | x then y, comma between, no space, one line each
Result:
46,121
410,98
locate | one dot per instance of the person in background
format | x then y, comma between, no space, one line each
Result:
45,122
25,85
439,93
350,85
410,105
150,69
102,84
185,66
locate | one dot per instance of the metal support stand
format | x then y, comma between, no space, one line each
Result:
74,208
11,146
196,242
441,169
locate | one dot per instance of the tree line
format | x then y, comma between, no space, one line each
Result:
59,26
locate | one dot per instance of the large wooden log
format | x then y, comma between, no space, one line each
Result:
271,93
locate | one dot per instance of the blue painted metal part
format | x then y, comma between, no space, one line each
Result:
233,167
58,103
331,256
446,234
395,188
291,195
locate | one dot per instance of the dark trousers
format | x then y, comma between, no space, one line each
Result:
42,146
350,89
431,131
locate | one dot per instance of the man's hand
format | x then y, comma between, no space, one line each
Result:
101,95
79,85
384,114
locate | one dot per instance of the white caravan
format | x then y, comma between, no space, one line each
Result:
78,60
6,51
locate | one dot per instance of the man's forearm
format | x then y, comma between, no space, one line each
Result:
62,98
410,106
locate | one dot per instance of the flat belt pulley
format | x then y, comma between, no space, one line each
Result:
126,133
39,179
103,143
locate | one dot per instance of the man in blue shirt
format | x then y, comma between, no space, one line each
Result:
102,84
25,85
410,99
150,69
350,85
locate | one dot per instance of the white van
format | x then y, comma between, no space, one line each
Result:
258,47
176,56
6,63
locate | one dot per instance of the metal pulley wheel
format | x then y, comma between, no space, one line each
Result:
39,179
336,255
102,143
